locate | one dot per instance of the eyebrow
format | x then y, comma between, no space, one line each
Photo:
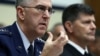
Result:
43,5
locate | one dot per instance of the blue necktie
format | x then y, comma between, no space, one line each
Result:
31,50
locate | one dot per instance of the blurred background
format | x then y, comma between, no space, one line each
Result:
8,11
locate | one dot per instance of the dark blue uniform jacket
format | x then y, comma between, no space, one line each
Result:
11,43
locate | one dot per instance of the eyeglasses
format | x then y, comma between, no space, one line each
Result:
41,9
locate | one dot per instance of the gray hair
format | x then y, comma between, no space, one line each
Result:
22,2
18,2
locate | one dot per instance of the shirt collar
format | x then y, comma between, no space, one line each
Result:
24,38
77,47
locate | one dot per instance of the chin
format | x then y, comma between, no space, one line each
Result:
41,33
92,38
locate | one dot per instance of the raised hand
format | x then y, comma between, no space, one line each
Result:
54,48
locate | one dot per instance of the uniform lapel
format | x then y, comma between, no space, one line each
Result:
18,41
72,50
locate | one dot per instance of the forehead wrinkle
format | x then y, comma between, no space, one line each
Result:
46,3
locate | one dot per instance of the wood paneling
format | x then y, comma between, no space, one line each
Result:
95,4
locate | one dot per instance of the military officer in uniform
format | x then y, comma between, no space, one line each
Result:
22,38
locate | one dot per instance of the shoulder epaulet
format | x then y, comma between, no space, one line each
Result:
4,31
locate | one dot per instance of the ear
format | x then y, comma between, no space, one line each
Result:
69,26
20,12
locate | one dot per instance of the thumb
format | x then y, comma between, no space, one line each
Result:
50,36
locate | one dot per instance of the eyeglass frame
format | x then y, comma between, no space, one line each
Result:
50,10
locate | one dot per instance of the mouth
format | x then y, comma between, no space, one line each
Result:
93,33
43,25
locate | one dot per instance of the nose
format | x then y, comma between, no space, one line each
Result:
46,14
93,26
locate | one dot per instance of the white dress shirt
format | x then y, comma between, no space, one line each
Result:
24,39
77,47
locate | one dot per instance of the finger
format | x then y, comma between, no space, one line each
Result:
61,37
50,36
65,40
